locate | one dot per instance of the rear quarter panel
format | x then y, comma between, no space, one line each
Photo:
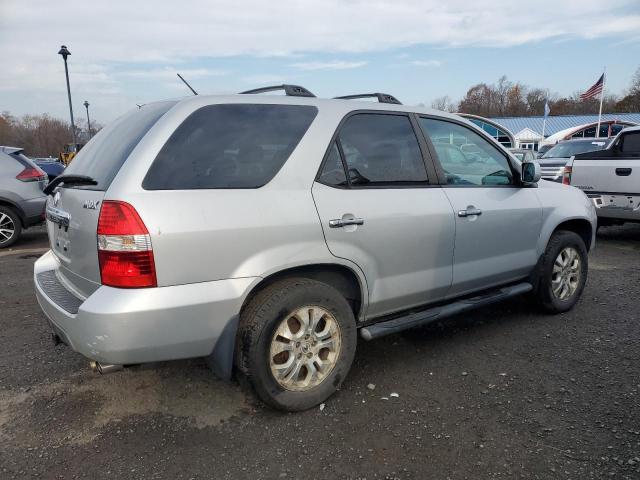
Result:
204,235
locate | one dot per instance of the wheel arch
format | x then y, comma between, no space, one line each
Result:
15,207
348,282
580,226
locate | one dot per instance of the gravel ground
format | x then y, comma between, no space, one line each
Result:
502,392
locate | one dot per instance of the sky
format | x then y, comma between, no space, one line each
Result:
125,52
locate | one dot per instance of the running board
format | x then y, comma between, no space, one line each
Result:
417,319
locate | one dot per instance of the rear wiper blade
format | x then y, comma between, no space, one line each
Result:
69,179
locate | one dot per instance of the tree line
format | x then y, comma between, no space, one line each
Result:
41,135
514,99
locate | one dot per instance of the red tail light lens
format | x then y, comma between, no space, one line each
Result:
31,174
566,176
125,253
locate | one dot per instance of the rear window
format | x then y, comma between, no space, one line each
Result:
229,146
105,153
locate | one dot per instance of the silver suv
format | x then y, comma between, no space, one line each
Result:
264,232
21,198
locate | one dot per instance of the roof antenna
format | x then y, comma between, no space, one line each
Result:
187,84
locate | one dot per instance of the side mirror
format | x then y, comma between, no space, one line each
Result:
530,172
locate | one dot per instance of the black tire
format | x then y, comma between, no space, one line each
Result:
544,294
12,220
259,321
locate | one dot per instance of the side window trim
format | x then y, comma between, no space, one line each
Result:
427,156
441,175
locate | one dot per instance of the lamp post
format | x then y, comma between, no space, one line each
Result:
86,105
65,53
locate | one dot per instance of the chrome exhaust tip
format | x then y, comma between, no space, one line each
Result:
104,368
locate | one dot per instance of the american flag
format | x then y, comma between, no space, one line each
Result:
595,90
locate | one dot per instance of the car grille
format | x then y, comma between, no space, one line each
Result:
51,286
551,173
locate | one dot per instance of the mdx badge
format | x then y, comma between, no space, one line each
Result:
91,204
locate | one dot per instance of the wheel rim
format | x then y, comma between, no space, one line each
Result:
305,348
7,228
565,277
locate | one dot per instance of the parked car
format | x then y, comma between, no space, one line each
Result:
523,154
611,178
21,199
553,161
543,149
51,166
265,232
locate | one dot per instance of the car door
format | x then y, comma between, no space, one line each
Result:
498,221
379,210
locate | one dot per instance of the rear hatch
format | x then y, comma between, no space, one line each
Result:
73,211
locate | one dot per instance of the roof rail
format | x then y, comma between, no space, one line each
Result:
289,90
382,97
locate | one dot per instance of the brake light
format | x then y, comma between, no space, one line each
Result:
31,174
566,176
125,253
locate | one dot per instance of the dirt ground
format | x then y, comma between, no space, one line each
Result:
503,392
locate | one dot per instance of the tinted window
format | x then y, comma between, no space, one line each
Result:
333,170
466,157
381,149
229,146
631,142
105,153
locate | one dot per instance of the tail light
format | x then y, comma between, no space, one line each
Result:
31,174
125,253
566,176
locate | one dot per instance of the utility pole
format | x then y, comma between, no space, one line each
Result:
65,53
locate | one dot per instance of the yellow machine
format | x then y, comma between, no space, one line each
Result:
69,152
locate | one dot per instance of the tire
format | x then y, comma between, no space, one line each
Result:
552,296
266,323
10,227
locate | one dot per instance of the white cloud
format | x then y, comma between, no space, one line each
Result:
426,63
333,65
112,42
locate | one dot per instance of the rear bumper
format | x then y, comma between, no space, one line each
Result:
130,326
617,207
33,211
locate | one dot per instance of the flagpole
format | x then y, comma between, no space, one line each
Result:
604,80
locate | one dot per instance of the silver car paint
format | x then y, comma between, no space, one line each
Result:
212,247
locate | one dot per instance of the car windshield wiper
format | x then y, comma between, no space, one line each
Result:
69,179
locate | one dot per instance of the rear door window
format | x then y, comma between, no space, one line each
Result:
104,155
229,146
631,142
379,150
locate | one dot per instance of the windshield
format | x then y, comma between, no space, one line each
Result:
569,149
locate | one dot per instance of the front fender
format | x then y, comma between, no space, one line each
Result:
560,204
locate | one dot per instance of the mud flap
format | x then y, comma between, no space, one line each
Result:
220,360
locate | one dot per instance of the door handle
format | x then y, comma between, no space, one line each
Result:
623,172
469,212
343,222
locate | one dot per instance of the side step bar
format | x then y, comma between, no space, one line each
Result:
417,319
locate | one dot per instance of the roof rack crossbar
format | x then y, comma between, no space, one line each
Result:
289,90
382,97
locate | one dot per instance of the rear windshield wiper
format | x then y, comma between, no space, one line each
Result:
68,180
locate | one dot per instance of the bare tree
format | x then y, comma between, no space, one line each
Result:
444,104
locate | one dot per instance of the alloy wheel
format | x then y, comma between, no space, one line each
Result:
565,276
7,228
305,348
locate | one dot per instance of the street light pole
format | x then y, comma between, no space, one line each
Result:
65,53
86,105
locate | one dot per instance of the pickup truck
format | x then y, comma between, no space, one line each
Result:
610,178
